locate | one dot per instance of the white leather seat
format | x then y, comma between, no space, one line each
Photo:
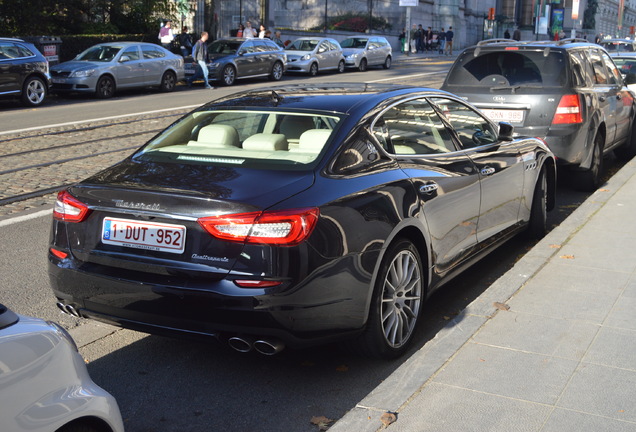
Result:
217,136
313,140
263,141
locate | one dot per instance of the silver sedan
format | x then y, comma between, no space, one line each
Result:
105,68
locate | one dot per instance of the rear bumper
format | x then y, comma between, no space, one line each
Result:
326,306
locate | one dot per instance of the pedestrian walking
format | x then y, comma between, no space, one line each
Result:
449,41
441,39
201,57
166,36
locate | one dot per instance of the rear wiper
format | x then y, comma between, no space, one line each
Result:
516,87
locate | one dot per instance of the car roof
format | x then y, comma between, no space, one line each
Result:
6,39
498,44
626,54
335,98
619,40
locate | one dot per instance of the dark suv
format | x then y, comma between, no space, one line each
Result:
24,72
569,93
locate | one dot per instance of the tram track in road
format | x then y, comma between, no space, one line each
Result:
35,164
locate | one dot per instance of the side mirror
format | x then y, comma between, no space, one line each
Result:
505,131
124,59
630,78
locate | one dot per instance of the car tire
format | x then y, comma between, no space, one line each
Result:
538,224
313,69
590,179
229,75
362,67
105,87
168,82
387,63
628,150
341,66
78,427
396,304
277,72
34,92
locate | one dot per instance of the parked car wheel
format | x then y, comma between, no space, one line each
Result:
590,179
341,66
538,224
313,69
33,92
105,87
387,63
396,304
229,75
363,65
168,81
277,72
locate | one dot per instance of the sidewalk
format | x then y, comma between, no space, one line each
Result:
561,358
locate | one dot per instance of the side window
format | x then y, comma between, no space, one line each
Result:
357,155
598,67
324,47
413,127
132,53
24,51
613,72
152,52
259,46
3,51
9,51
581,69
471,127
248,47
333,46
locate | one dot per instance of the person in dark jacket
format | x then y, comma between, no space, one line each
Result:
201,57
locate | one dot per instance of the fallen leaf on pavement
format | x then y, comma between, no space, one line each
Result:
322,422
567,256
501,306
342,368
555,246
387,418
604,190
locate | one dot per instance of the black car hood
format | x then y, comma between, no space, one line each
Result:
197,187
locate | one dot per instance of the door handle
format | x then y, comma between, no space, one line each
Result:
429,188
487,171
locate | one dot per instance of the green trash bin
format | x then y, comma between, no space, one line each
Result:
49,46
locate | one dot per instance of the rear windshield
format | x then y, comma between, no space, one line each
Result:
625,64
515,68
257,139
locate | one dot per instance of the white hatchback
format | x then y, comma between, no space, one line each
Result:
44,383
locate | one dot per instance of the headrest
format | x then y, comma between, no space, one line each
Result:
218,135
293,126
313,140
262,141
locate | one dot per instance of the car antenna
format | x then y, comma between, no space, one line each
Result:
276,97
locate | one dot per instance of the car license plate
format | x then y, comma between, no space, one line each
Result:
144,235
189,71
497,115
58,80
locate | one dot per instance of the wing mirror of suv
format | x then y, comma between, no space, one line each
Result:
630,78
505,131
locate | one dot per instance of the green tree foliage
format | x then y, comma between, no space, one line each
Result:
62,17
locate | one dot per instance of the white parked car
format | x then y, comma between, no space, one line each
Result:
313,54
44,384
362,52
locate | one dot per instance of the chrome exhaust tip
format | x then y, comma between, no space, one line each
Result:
241,343
71,310
61,307
269,347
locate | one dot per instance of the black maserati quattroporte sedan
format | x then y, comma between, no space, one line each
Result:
296,215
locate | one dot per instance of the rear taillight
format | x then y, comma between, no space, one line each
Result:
69,209
568,111
284,228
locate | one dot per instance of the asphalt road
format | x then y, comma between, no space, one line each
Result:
177,385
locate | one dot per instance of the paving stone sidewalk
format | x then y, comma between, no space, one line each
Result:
561,358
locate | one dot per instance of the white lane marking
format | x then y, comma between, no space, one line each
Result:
98,119
405,77
18,219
